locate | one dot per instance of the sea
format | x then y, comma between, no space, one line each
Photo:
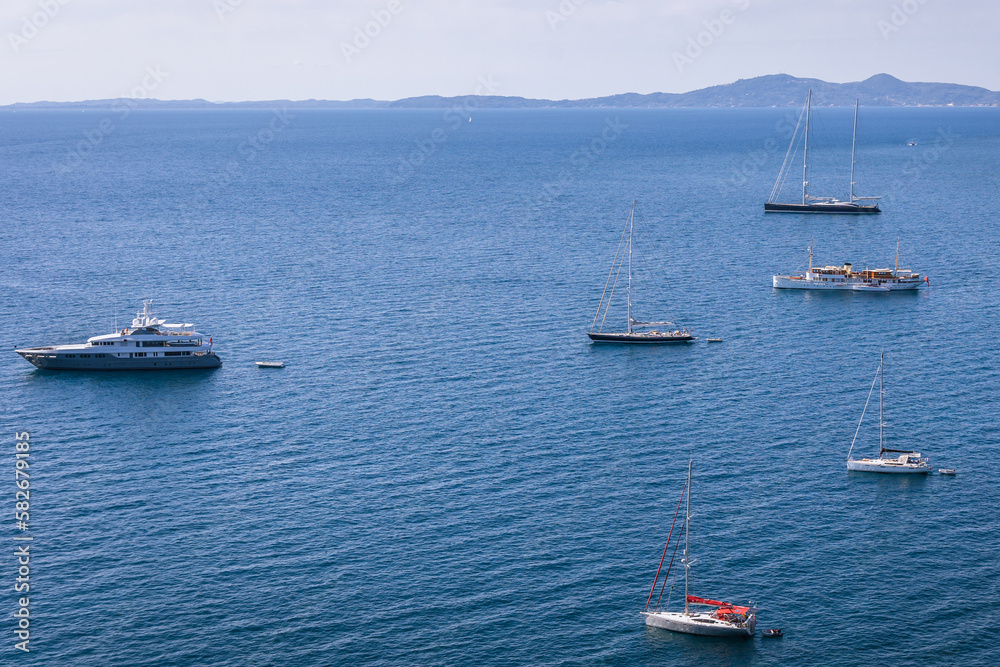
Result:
447,471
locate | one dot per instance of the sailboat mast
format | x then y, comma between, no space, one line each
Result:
631,222
881,393
687,540
805,150
854,143
895,270
810,255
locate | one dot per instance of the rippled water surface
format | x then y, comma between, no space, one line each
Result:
447,471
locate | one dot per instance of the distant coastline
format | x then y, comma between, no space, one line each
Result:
775,90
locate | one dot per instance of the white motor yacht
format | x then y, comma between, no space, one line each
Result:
149,344
845,278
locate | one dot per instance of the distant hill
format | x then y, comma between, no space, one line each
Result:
774,90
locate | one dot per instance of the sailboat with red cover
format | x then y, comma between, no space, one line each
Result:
715,618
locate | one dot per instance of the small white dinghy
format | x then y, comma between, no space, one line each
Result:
270,364
946,471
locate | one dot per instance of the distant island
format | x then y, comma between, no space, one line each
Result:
775,90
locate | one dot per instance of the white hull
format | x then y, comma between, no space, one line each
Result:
798,282
698,623
891,466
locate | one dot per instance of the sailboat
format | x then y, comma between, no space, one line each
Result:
637,332
810,203
908,462
725,620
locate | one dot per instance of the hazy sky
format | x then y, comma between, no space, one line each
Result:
299,49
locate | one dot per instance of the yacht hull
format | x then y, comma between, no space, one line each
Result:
886,467
698,624
840,207
651,338
796,282
48,360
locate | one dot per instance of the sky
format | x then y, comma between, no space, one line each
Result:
234,50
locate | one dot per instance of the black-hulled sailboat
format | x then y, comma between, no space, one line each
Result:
637,332
810,203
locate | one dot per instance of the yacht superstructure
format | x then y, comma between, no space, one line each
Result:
149,344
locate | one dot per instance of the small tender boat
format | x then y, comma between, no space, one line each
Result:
772,632
270,364
946,471
714,340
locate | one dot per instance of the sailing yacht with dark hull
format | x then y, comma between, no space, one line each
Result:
637,332
832,206
642,337
810,203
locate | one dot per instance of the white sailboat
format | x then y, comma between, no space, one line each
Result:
907,461
725,620
811,203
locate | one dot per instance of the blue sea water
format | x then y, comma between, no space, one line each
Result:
447,471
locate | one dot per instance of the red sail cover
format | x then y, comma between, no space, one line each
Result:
724,607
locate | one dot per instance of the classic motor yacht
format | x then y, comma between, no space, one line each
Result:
845,278
149,344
